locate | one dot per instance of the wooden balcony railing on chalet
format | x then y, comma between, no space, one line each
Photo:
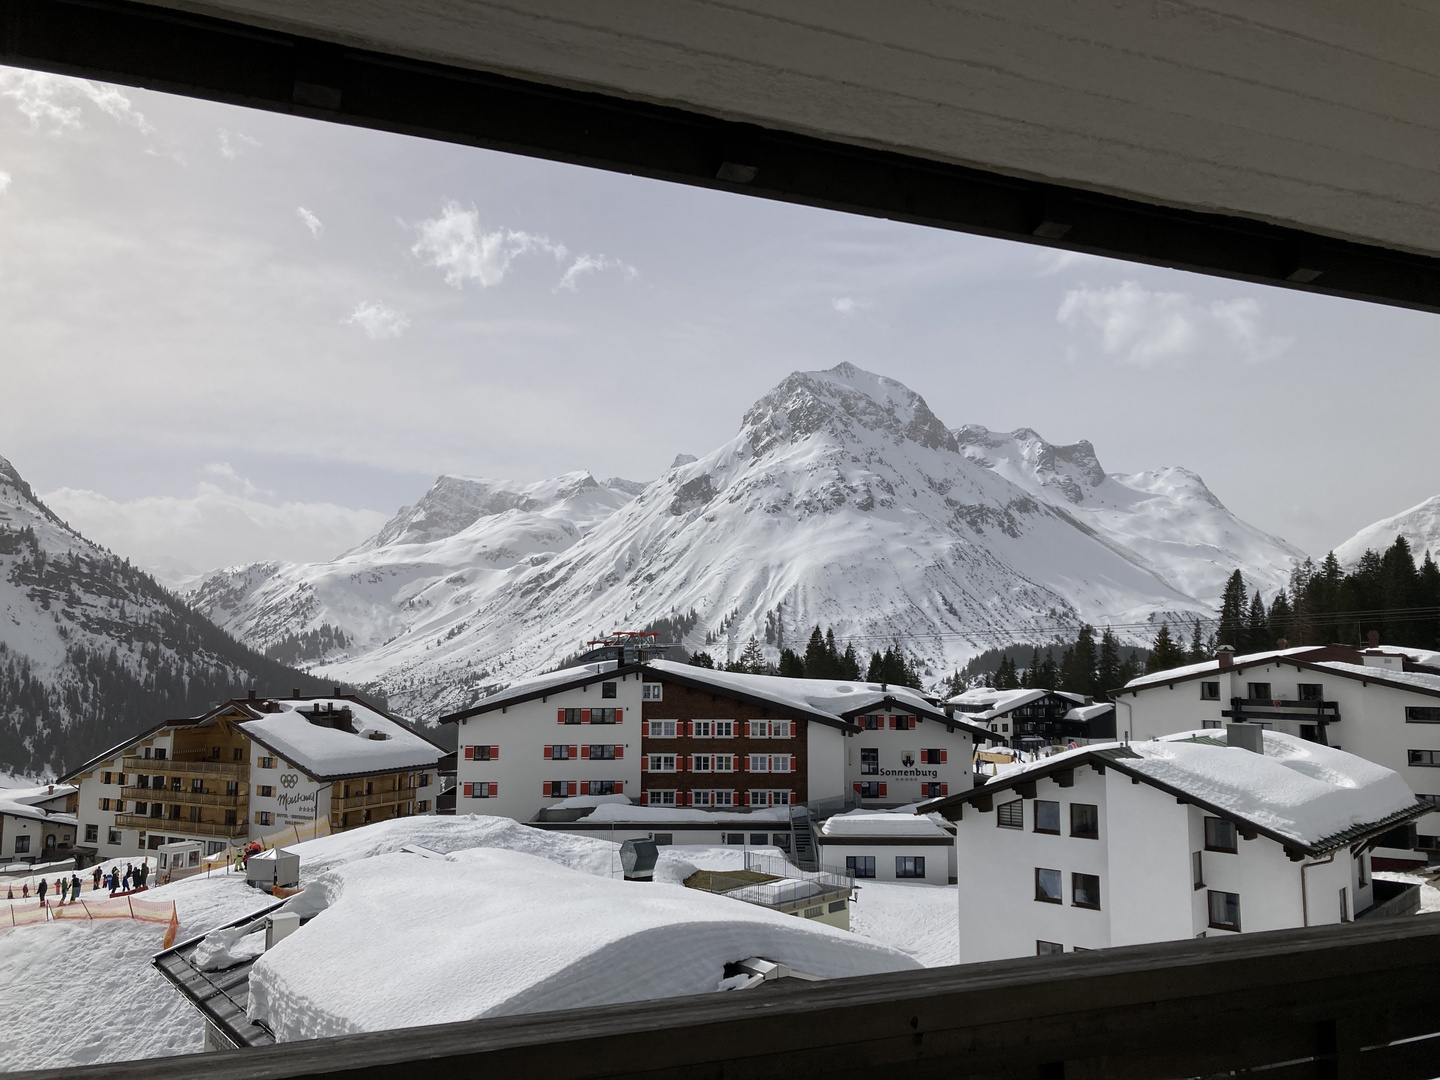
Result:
375,798
1338,1002
229,770
181,826
184,797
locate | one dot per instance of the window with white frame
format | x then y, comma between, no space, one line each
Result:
718,797
702,763
771,797
652,691
1209,691
869,761
771,729
713,729
22,845
660,796
771,763
662,729
661,762
112,836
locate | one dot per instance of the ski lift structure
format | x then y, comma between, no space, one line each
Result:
626,647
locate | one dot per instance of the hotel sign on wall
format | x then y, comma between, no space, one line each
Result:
296,807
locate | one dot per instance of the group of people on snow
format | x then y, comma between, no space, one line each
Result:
68,889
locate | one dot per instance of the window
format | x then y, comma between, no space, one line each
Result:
662,838
555,789
909,866
1210,724
781,840
933,789
702,763
424,779
1224,911
608,689
104,804
872,723
1344,905
1011,815
772,797
602,752
239,754
175,783
1085,821
215,753
560,752
1197,869
1423,757
716,797
142,808
1047,886
232,787
106,778
660,797
598,787
662,729
1219,835
1085,890
482,791
735,838
724,762
860,865
1047,816
22,845
197,785
113,836
482,753
265,791
266,762
569,716
1209,691
1361,872
660,762
712,729
1260,691
1310,691
160,753
934,757
902,723
92,834
1048,948
869,761
194,813
869,789
604,716
759,839
652,691
263,817
1422,714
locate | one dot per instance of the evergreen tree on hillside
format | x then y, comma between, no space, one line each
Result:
1303,628
1107,668
849,665
752,659
1232,612
1257,627
1281,619
702,659
1129,668
1427,595
1164,654
1006,677
818,659
791,666
1198,652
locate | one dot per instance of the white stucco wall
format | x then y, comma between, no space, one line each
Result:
825,750
902,781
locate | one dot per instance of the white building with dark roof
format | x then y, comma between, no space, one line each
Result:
1186,836
1031,719
889,846
1380,703
37,824
251,768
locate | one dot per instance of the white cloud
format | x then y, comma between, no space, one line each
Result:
56,100
589,264
311,221
378,321
455,243
848,305
1053,260
1145,328
234,143
227,520
4,181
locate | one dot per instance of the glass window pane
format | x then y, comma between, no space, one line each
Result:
1047,816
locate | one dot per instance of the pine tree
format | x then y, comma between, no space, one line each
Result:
1198,652
1005,677
1281,619
850,666
1427,595
1257,627
702,659
1232,612
791,666
1107,668
817,663
876,671
1164,654
752,659
1129,668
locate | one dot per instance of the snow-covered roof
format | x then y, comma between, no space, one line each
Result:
1418,680
371,742
1090,712
503,933
27,802
1297,792
538,685
1186,671
1001,702
659,814
878,823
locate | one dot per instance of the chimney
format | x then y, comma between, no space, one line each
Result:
295,692
1374,639
252,693
336,693
1226,655
1245,737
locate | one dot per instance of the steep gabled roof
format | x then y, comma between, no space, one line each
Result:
541,686
1306,797
1419,682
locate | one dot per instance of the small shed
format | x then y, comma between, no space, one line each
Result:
275,868
178,859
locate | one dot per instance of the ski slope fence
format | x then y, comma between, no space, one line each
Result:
26,913
295,834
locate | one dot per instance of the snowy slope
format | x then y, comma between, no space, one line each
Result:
1420,525
842,500
1167,519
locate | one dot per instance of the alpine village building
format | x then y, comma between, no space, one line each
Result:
250,768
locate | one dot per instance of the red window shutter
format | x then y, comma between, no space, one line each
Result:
644,729
882,790
644,762
747,798
571,786
494,753
619,716
574,752
857,785
469,753
744,762
892,723
794,797
644,798
585,751
559,716
545,789
944,757
747,729
469,791
584,716
619,753
494,790
944,790
619,787
549,752
684,764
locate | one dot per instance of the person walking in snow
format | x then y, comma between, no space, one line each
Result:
114,880
99,873
125,881
74,886
63,888
40,891
145,875
25,890
12,893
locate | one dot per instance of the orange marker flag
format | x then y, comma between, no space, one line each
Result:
173,929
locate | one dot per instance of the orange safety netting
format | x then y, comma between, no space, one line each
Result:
106,907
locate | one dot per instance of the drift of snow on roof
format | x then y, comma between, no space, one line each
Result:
1176,673
539,683
615,811
825,696
23,802
323,751
1421,680
488,932
878,823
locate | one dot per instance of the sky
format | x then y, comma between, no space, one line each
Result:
230,336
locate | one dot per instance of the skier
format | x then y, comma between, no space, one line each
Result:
40,891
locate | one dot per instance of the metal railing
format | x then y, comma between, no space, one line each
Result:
1352,1000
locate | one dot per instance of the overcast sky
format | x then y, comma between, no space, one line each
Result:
229,336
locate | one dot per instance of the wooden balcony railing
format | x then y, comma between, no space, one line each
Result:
229,770
185,797
181,826
377,798
1348,1001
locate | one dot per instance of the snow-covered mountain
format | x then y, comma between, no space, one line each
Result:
842,500
1420,525
92,648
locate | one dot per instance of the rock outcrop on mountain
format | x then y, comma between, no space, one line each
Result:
842,500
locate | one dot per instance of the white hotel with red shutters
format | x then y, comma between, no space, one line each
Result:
670,735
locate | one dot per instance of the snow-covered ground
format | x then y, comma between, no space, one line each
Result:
922,920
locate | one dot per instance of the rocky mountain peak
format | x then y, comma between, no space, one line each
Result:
840,402
1070,470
